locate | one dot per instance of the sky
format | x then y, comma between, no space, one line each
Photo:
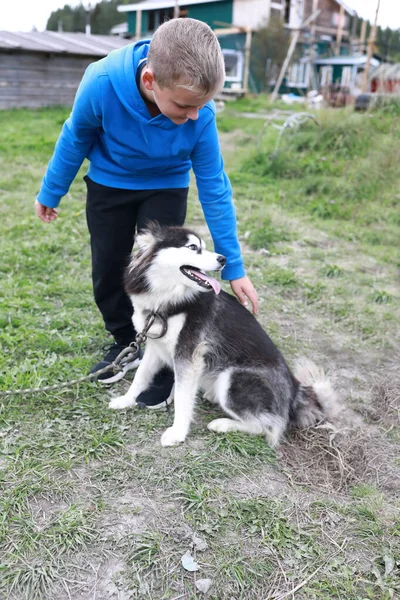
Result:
24,15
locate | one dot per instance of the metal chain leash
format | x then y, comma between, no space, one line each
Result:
133,349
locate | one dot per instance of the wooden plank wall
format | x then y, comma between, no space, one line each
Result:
34,79
325,21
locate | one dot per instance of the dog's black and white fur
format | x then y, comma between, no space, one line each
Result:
213,344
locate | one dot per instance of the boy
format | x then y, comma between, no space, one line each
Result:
144,117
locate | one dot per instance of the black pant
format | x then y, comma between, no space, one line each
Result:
113,216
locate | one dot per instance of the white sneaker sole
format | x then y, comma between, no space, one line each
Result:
160,406
120,374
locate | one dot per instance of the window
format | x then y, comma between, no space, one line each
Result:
293,13
277,9
156,17
336,18
286,12
298,74
346,76
326,75
233,65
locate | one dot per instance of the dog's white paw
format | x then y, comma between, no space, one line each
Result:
172,437
222,425
121,402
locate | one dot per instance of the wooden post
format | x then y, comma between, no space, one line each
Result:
293,42
247,53
353,35
88,28
363,35
339,33
310,81
292,46
138,32
176,9
370,50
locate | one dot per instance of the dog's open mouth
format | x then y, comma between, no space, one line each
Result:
201,278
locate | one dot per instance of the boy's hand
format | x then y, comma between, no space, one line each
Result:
243,289
45,213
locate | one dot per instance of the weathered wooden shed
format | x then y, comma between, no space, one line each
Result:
342,70
45,68
385,79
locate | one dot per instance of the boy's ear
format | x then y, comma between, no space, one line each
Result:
148,79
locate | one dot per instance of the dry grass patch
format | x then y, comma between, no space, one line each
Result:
384,409
333,460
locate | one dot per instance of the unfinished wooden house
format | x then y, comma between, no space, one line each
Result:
329,34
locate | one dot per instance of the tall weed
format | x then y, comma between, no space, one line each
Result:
342,166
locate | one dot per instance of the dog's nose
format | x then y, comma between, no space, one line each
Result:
221,259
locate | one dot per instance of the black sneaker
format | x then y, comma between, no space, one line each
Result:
160,392
126,364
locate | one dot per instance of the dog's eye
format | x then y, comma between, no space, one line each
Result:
193,247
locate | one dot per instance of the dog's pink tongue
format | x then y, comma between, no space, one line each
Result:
213,282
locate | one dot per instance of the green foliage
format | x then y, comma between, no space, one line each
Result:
68,19
380,297
269,42
266,234
346,169
362,491
345,138
387,40
35,561
103,16
280,277
146,551
333,271
235,443
389,105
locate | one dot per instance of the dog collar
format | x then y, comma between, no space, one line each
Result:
150,320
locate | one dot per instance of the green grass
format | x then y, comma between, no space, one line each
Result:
343,173
90,504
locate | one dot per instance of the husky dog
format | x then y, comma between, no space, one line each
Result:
213,344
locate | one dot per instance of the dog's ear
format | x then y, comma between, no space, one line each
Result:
155,228
145,239
149,236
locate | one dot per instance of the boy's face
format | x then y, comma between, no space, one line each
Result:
177,104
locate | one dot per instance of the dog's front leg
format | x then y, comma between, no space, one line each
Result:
148,368
186,385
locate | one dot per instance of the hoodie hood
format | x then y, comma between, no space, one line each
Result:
124,82
128,149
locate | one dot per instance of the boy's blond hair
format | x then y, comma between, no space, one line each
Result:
186,53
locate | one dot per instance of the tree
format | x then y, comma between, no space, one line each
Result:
387,41
103,17
67,19
269,48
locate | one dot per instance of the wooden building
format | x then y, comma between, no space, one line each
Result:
235,16
335,16
385,79
329,35
144,17
45,69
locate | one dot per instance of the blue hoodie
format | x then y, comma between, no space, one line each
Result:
127,148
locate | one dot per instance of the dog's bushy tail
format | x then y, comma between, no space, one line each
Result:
315,400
